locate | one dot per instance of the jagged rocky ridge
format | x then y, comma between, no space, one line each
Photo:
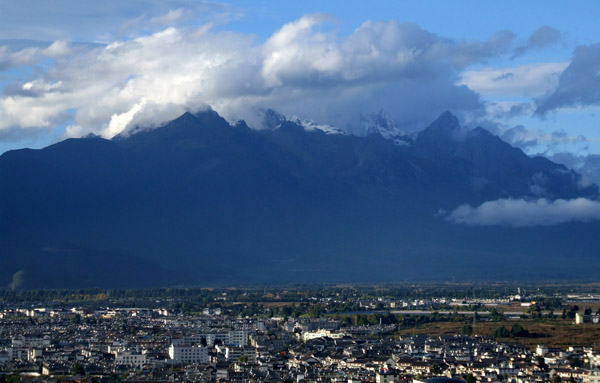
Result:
200,201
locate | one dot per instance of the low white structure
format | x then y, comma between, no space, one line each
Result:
541,350
322,334
586,318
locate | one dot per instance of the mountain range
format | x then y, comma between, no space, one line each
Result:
199,201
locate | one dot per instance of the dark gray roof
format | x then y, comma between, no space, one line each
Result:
442,379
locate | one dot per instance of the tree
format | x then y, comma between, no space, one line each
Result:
436,369
495,315
540,361
575,361
588,311
467,329
535,311
556,379
501,332
78,369
76,319
470,378
518,331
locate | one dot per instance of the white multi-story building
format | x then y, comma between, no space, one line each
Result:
593,358
233,337
238,337
592,376
234,353
191,340
130,358
386,376
34,354
223,338
22,341
188,354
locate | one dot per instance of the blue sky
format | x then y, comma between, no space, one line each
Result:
528,71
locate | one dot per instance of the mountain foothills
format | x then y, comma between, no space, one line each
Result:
199,201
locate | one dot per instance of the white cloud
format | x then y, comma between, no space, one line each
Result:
587,165
297,53
531,80
32,55
521,213
106,20
57,49
22,57
522,137
169,18
304,69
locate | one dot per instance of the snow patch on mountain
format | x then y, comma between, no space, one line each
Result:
310,125
273,120
367,124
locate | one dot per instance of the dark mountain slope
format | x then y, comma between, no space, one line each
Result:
500,170
200,201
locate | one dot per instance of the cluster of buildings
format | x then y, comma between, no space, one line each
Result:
141,345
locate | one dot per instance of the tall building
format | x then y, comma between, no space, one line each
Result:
188,354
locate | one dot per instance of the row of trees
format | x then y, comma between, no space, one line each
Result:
517,331
300,292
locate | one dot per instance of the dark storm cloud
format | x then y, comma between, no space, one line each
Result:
579,83
541,38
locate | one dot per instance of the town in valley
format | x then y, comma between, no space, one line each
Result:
399,333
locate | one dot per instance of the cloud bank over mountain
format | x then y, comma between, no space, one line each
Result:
305,67
522,213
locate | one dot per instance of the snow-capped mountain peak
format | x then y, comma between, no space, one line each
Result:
272,119
381,123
